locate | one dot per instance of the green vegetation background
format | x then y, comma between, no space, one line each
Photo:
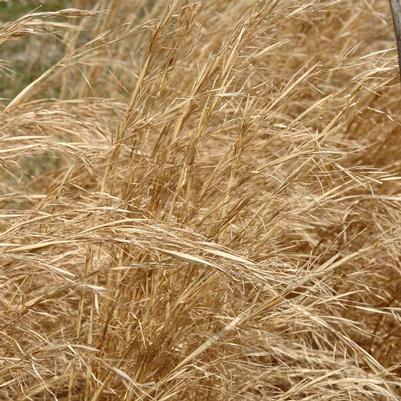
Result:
23,57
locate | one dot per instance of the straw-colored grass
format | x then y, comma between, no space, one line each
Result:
200,200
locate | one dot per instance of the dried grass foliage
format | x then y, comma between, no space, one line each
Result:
210,209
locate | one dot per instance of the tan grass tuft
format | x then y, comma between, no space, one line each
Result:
200,200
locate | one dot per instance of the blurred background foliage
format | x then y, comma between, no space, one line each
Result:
11,9
23,57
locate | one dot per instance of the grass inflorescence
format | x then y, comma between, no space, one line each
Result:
200,200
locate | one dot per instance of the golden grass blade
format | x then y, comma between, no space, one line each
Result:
395,6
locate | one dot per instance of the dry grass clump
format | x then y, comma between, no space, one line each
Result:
200,200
